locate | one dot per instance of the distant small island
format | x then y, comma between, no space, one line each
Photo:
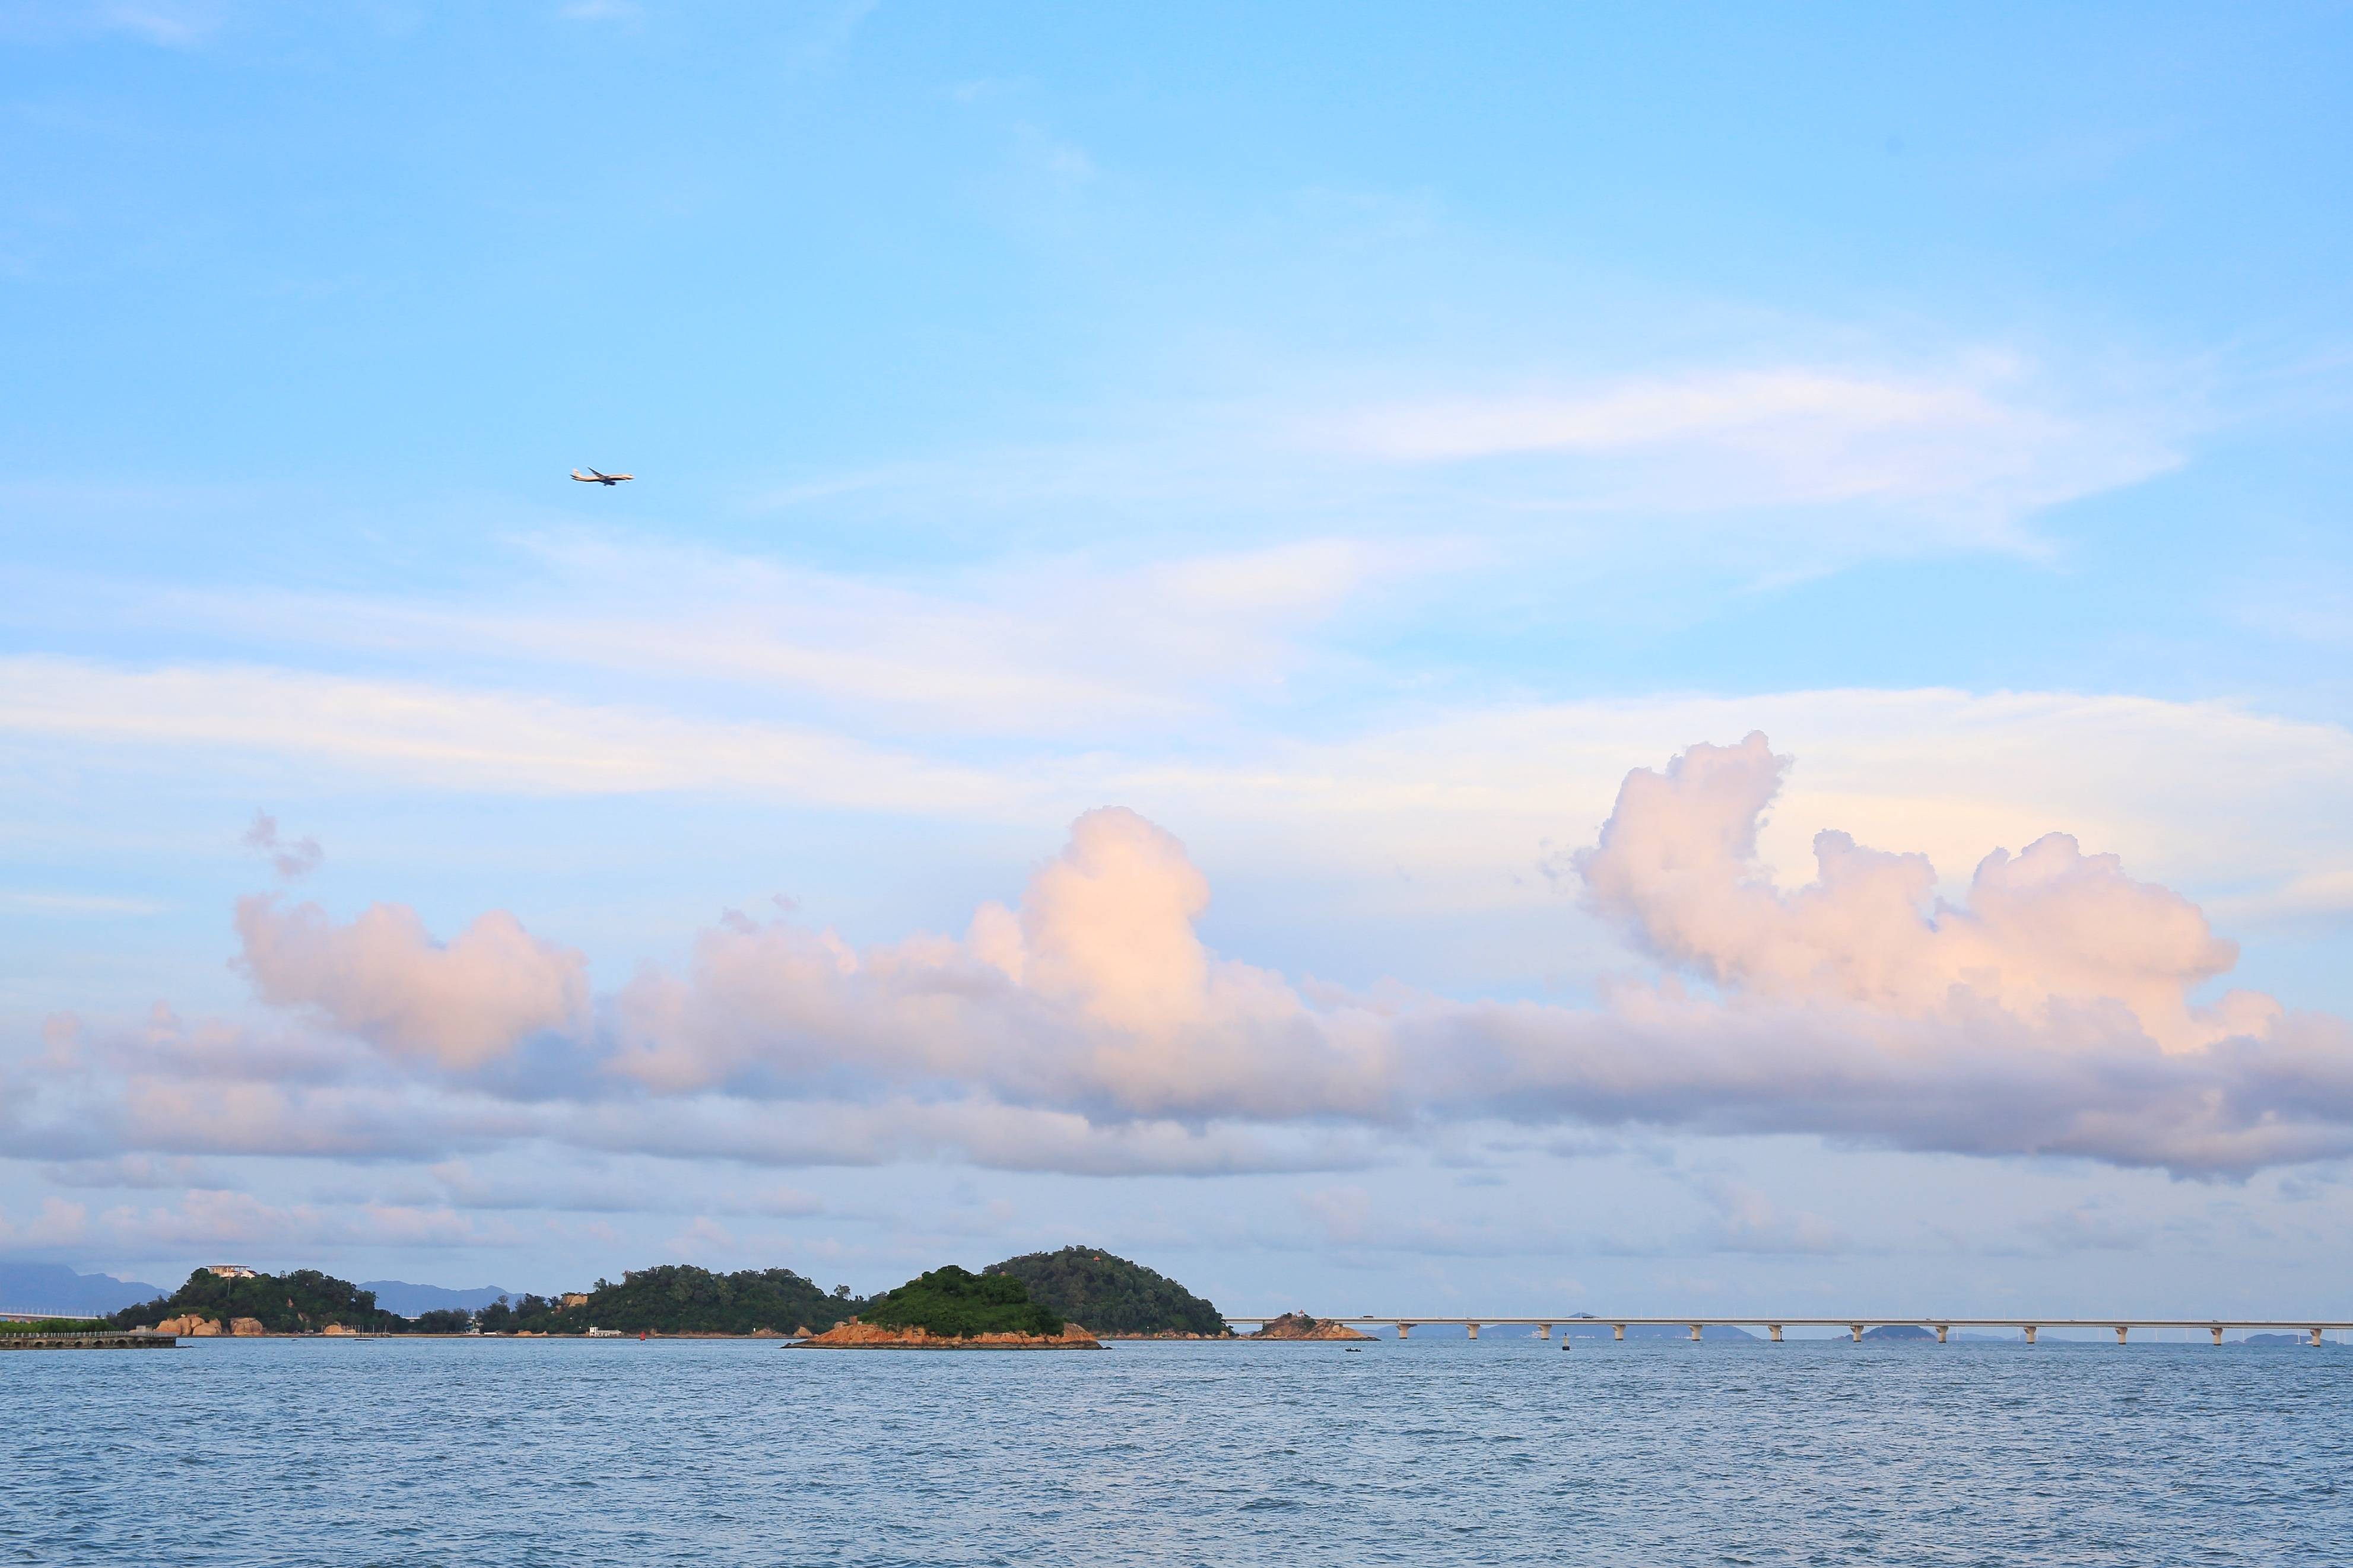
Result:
1300,1326
953,1308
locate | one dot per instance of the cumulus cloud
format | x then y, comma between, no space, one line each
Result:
2046,934
2052,1012
382,977
1088,1028
1097,995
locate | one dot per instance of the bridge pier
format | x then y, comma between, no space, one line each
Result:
1694,1329
2315,1341
1474,1329
1405,1331
1544,1330
2030,1332
1621,1331
1858,1331
1775,1330
1941,1329
2120,1334
2217,1331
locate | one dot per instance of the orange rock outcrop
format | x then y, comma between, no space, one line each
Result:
190,1327
855,1335
1300,1326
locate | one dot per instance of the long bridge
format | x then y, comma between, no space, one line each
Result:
2313,1327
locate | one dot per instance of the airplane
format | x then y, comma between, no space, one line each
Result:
593,477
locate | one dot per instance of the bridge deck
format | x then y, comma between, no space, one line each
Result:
114,1340
2302,1325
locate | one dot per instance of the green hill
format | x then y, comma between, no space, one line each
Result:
1110,1295
680,1299
959,1304
301,1301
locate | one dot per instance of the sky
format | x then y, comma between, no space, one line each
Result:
1397,659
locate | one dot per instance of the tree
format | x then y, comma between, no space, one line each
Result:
1110,1295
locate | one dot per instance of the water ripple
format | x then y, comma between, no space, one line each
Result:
420,1454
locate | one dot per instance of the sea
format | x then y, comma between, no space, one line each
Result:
488,1452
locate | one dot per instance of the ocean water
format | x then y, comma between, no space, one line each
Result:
1501,1451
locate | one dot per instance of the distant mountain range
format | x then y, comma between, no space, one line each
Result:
54,1287
399,1296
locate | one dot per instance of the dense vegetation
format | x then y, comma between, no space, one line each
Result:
1035,1294
303,1302
1110,1295
52,1326
679,1298
959,1304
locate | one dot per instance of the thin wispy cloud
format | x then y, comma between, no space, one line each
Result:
1465,798
1974,445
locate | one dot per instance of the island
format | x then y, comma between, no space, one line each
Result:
678,1300
1070,1298
227,1300
1114,1297
1300,1326
951,1308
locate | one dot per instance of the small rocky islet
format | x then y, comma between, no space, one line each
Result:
1300,1326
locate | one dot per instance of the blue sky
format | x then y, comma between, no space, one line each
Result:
1353,438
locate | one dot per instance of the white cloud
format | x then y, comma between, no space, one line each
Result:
440,737
181,25
1056,649
1971,443
55,904
2052,1014
1459,797
1090,1029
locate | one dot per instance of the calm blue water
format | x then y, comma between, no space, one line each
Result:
507,1452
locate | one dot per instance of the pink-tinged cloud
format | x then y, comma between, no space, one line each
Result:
1088,1029
1097,995
384,978
2044,933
